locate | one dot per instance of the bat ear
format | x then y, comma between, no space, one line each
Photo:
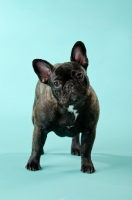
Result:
78,54
43,69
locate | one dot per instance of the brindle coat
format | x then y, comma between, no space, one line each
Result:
51,115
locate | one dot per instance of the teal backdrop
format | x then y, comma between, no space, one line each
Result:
48,29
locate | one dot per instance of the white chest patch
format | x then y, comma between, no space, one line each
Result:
70,109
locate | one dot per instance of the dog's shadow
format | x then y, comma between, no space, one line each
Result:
112,161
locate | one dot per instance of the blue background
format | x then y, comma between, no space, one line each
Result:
48,29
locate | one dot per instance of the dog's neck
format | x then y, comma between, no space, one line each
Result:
67,115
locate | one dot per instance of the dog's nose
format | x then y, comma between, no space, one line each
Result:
70,86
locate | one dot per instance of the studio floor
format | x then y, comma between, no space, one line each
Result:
61,179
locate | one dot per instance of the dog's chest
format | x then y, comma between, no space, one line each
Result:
68,118
72,110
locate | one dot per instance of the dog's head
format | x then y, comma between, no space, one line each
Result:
68,81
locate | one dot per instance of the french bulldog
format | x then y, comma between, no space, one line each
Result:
66,104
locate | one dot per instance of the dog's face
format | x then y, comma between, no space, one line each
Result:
68,81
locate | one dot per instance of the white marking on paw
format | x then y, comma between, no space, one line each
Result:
70,109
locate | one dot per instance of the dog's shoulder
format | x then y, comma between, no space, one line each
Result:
92,94
44,93
40,88
94,102
45,106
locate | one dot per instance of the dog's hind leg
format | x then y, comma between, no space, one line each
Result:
44,136
75,146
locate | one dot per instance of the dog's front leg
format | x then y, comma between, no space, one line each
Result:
39,138
87,140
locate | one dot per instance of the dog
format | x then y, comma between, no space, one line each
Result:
66,104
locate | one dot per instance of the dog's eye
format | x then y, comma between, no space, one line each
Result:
56,83
79,75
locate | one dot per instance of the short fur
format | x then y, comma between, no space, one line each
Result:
65,103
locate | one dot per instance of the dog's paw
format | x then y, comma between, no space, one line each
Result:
75,151
88,168
33,164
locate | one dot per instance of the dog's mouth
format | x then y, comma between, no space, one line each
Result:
72,99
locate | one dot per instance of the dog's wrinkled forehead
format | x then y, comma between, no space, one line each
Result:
66,69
